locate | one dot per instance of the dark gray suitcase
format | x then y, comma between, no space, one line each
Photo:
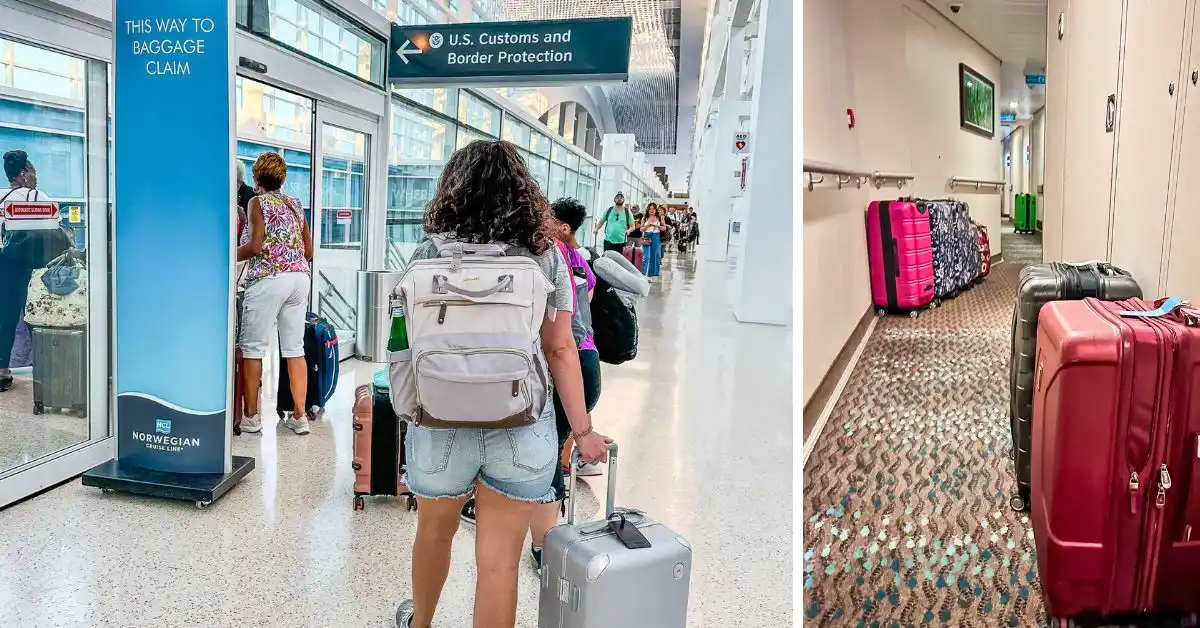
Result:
591,579
60,371
1038,285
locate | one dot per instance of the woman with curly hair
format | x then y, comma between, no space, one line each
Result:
487,196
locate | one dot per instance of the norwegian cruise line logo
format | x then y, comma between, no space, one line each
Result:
162,440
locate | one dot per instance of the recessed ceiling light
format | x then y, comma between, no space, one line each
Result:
1013,106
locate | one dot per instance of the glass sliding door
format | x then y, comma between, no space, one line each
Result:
342,193
54,362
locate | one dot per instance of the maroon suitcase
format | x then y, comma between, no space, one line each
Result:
1116,459
634,255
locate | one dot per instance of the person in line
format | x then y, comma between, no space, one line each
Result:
23,252
652,225
277,246
570,214
617,223
487,196
244,194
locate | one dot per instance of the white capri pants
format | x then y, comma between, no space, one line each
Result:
279,300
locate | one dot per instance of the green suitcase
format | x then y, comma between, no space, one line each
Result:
1024,210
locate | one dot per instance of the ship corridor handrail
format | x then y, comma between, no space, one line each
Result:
978,183
816,170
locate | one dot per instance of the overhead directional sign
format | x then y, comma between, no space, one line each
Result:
511,53
1035,79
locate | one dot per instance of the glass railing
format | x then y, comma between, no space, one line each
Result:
340,312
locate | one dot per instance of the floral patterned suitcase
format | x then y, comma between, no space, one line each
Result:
955,248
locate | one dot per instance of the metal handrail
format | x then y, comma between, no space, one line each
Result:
899,178
816,170
978,183
330,310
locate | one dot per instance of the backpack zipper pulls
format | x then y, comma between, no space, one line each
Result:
442,313
1133,489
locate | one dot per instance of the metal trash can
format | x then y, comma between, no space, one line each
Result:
374,313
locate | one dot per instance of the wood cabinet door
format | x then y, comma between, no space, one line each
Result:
1146,122
1182,267
1093,56
1050,210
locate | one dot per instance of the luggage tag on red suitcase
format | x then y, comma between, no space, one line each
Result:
1163,308
626,531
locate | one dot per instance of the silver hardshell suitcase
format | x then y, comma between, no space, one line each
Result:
591,578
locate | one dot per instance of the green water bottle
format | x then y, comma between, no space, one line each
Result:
398,339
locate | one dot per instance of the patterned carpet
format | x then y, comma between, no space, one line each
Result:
1020,248
906,494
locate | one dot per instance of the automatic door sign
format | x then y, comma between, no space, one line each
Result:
30,215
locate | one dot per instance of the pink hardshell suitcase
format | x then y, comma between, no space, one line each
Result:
900,251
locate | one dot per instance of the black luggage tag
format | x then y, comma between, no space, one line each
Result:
628,533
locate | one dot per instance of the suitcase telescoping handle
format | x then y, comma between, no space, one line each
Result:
610,498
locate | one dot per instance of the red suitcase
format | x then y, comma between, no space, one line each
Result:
900,255
985,250
634,255
1116,459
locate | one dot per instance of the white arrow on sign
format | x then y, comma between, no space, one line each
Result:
405,50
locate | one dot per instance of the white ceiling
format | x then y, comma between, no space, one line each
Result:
1015,31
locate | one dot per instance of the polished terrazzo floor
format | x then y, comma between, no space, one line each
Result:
703,417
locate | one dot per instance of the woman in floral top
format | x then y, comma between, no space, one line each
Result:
277,246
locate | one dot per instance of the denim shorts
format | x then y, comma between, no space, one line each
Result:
518,463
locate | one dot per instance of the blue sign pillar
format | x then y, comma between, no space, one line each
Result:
173,209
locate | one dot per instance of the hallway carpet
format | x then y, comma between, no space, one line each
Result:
906,493
1020,248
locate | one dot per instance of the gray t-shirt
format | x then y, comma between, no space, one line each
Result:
556,271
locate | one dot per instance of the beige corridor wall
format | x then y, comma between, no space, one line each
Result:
895,63
1037,168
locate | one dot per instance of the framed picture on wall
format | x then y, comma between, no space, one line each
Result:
976,102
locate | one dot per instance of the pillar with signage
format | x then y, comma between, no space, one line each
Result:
763,288
715,207
173,230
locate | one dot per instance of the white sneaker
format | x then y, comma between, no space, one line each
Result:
585,470
252,424
299,426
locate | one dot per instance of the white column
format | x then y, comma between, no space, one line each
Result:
763,288
719,204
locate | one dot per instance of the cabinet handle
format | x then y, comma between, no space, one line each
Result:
1171,88
1195,76
1110,113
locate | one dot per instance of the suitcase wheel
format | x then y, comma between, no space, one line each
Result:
880,312
1016,503
935,303
914,314
410,502
39,408
202,504
359,503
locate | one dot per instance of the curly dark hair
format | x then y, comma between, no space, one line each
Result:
486,195
570,211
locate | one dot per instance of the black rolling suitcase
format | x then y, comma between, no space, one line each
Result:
1038,285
